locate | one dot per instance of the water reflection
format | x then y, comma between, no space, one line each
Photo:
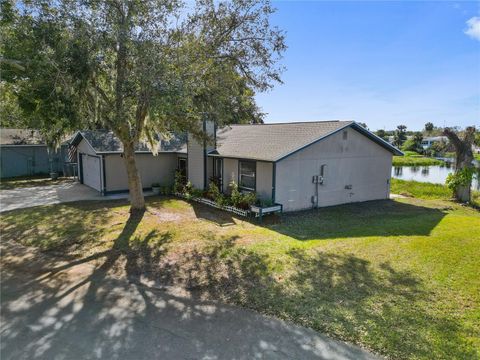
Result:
435,174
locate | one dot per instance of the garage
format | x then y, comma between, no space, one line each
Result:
91,171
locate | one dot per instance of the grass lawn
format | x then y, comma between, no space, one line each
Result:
400,278
415,161
429,191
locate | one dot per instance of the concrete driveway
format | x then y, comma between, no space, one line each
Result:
24,197
75,309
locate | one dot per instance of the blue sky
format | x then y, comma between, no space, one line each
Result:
382,63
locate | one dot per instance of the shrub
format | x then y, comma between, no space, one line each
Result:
239,199
213,192
178,184
461,178
165,190
265,202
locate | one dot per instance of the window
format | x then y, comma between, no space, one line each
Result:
246,175
345,135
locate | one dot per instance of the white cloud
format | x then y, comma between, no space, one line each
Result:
473,27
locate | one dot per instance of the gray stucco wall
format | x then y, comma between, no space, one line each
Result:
357,162
25,160
263,176
160,168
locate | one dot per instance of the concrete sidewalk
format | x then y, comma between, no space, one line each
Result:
75,309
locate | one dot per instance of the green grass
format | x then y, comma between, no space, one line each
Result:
425,190
399,278
452,155
411,153
415,161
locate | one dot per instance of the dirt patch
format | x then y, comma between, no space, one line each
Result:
165,216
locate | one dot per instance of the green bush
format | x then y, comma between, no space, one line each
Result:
178,183
239,199
462,177
165,190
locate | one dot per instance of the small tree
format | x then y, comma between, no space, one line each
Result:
414,144
400,135
429,127
382,134
461,181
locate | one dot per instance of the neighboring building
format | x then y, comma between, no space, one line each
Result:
427,142
23,152
299,165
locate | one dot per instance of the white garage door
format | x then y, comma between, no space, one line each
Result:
91,171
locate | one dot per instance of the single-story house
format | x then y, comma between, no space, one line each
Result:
299,165
23,152
101,166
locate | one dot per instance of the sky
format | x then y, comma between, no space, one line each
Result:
382,63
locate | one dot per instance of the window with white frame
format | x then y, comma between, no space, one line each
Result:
246,175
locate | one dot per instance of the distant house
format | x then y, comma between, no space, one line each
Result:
23,152
427,142
299,165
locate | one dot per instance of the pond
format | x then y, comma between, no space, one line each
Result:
436,174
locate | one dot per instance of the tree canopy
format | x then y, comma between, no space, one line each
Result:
139,67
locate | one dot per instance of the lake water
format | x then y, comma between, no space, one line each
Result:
435,174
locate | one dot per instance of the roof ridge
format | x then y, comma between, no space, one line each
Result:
294,122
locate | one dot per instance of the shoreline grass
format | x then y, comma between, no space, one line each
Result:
415,161
426,190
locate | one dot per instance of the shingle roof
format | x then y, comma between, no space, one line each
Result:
21,137
104,141
272,142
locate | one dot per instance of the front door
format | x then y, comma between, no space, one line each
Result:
218,172
182,169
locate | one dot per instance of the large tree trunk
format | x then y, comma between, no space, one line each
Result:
463,159
137,201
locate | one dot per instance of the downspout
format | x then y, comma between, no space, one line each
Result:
204,155
104,191
274,180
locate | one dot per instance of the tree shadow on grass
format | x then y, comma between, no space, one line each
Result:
63,314
373,218
388,310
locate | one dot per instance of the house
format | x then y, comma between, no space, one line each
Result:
100,161
23,152
299,165
427,142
